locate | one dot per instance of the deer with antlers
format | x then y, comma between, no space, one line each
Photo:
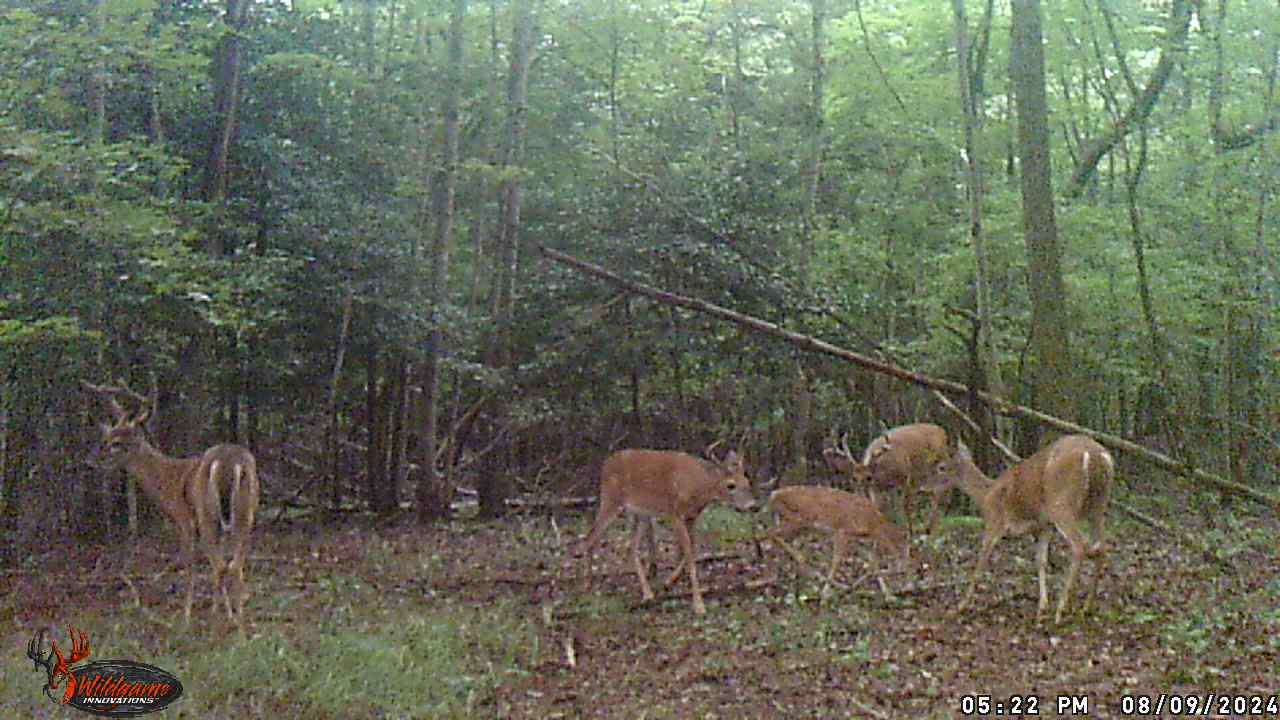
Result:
652,483
211,498
897,460
61,667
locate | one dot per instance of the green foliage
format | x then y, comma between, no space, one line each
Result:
671,141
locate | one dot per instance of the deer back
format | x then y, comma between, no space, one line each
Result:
1078,474
675,483
909,452
837,511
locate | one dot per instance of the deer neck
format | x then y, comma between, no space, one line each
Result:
162,477
974,483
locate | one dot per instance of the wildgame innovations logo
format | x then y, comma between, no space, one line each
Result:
109,688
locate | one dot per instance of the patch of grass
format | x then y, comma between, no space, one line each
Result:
600,602
957,524
443,663
727,526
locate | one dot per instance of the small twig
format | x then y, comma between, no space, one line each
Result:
873,712
555,531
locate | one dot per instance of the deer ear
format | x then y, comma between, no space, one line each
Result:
732,460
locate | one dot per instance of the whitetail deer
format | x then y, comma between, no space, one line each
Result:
898,460
191,492
847,517
1064,483
665,484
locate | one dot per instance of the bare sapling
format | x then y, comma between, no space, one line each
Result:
210,498
1061,487
847,517
898,461
675,485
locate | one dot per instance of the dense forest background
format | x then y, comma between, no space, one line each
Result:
313,227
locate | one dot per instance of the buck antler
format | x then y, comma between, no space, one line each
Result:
188,490
80,650
109,393
121,388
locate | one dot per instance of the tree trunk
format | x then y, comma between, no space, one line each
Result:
380,483
434,493
983,368
1053,375
506,252
495,487
226,104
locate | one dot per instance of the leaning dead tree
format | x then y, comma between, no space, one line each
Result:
997,404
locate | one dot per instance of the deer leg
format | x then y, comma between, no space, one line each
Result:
677,572
908,504
187,550
609,510
838,542
1076,539
207,523
686,544
234,579
236,595
935,510
877,567
218,568
1042,562
642,570
989,541
650,534
1098,552
777,537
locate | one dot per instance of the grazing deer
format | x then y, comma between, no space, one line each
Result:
900,460
659,483
210,498
1064,483
846,516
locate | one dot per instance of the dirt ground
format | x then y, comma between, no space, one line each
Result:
1167,621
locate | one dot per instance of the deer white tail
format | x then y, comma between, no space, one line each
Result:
1108,465
227,514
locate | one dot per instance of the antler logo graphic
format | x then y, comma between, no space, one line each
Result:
62,667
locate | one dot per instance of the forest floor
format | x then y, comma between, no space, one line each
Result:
364,619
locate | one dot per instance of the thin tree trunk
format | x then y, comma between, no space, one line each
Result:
434,493
331,406
226,69
509,190
985,370
1054,377
379,390
495,488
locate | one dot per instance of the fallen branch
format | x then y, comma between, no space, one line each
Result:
551,503
997,404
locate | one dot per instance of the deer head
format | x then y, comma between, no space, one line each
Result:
128,434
